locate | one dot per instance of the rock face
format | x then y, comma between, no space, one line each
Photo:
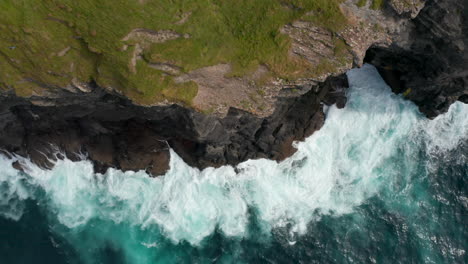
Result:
429,62
113,132
419,47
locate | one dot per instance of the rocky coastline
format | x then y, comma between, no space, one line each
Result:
426,61
113,132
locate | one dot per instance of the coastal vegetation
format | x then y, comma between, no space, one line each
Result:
377,4
48,44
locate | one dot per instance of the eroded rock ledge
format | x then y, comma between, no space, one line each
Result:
114,132
427,61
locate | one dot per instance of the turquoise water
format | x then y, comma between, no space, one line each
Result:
379,183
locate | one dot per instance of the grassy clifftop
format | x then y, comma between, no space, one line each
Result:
129,44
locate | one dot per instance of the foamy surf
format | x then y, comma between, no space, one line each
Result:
368,146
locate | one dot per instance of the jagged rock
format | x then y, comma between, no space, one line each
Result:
411,7
425,58
113,132
429,64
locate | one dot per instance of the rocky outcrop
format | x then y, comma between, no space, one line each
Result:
419,47
113,132
429,62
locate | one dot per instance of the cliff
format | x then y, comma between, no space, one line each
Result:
429,62
123,82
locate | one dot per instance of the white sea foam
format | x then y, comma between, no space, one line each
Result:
336,169
13,191
447,131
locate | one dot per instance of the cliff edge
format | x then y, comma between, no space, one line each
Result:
218,83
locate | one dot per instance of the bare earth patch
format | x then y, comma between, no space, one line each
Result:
183,18
160,36
217,92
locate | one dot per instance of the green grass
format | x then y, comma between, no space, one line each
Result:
377,4
361,3
244,33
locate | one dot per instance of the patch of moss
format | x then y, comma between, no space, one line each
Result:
377,4
261,92
378,28
244,104
361,3
324,66
44,44
407,92
340,48
208,110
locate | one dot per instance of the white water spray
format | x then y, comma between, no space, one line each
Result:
334,170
